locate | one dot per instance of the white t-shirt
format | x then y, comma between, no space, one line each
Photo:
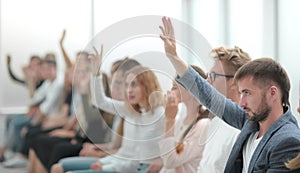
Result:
51,94
218,145
249,149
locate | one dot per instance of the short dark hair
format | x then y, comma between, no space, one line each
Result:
266,71
35,57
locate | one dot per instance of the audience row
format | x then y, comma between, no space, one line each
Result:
236,118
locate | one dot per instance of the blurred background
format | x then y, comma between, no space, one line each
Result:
268,28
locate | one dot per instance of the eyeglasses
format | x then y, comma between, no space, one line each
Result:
213,76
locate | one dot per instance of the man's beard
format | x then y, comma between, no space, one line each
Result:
262,112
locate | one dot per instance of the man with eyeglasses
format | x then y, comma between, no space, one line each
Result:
269,135
221,136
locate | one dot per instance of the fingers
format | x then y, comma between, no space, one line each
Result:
162,30
164,38
167,31
101,50
91,56
170,27
63,34
165,23
96,51
165,28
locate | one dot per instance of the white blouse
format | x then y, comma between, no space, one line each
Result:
142,131
218,145
188,159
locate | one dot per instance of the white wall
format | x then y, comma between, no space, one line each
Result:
109,15
266,28
262,28
289,41
34,27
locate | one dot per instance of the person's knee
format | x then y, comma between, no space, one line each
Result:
57,168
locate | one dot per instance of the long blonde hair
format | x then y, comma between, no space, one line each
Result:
149,83
202,113
294,163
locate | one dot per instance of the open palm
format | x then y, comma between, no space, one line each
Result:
168,37
96,60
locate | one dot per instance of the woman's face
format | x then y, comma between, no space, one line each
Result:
175,89
134,91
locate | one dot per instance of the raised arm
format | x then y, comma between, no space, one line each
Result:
97,90
11,74
170,46
65,55
217,103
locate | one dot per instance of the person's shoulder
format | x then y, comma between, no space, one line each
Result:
288,133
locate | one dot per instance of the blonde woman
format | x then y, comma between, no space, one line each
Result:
143,114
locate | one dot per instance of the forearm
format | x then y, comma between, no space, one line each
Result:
13,76
66,56
103,102
169,128
216,102
179,65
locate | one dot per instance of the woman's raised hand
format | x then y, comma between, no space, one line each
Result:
171,106
96,61
62,37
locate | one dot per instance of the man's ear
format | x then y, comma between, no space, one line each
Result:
274,92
